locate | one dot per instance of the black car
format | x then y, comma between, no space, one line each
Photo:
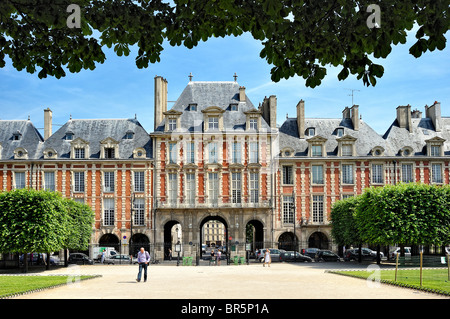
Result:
294,256
80,259
353,254
326,255
310,252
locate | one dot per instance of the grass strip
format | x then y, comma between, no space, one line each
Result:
433,280
14,285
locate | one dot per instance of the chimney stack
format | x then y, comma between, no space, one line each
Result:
404,117
269,111
160,100
242,93
355,117
47,123
301,118
434,113
346,113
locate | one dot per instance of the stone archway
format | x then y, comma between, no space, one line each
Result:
137,241
288,241
172,234
110,240
255,234
318,240
224,243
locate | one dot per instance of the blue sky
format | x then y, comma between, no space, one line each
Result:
118,89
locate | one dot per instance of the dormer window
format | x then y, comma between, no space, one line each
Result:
311,131
435,146
79,152
79,149
233,107
346,145
193,107
20,153
316,146
69,136
340,132
316,150
109,148
109,152
172,124
253,124
17,136
213,123
129,135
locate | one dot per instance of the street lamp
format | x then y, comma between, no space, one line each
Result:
178,249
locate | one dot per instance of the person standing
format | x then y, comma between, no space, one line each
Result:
267,259
219,254
103,256
143,259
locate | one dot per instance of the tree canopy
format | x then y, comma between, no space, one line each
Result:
42,221
299,37
417,214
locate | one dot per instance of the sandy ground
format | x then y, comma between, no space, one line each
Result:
280,281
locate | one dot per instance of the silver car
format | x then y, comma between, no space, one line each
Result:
274,254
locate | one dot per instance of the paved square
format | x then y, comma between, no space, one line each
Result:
280,281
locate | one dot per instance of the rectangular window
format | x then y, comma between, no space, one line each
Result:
377,173
190,188
139,182
172,188
213,156
253,124
190,154
436,173
288,209
139,212
407,173
316,150
287,175
347,174
213,123
108,212
254,187
49,181
109,152
318,208
79,152
78,181
317,174
108,182
172,124
345,196
236,188
19,179
236,152
213,188
435,150
254,156
347,150
172,153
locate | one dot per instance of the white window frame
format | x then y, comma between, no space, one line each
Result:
317,174
236,153
139,181
405,172
80,152
79,182
288,209
172,188
108,181
377,173
253,152
253,123
318,208
49,181
213,123
190,152
287,175
172,124
436,173
348,177
139,212
236,187
316,150
172,152
254,187
108,212
213,188
347,150
213,153
190,188
20,180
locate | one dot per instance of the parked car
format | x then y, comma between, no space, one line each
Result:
326,255
274,254
80,258
367,254
397,250
310,252
119,259
294,256
38,259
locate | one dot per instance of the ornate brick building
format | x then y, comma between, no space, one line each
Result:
214,156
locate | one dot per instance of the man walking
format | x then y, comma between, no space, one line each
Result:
143,259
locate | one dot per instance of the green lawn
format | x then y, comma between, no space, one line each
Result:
432,279
20,284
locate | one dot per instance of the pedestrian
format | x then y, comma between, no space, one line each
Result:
219,254
267,258
143,258
170,254
103,256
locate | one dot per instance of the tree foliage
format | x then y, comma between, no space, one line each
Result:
300,37
417,214
42,221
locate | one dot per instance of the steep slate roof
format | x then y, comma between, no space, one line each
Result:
366,137
206,94
30,140
94,131
422,130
